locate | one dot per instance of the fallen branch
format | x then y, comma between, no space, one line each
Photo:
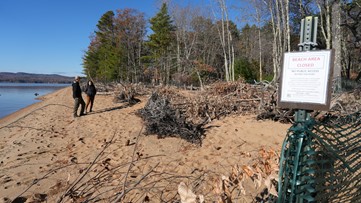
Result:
69,190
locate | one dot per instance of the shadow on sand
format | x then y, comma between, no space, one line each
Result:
110,109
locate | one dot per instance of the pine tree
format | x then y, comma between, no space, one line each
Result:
106,32
102,59
160,42
90,59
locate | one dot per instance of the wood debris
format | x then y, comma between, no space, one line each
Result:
164,120
176,112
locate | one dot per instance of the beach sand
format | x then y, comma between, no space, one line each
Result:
44,151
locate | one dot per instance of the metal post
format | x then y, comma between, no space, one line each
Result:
291,188
308,37
308,34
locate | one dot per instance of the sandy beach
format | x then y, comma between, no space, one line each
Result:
46,155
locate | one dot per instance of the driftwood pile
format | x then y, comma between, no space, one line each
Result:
175,112
222,99
183,113
346,103
123,93
164,120
126,95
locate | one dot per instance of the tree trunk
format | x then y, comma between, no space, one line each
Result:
288,25
223,41
226,42
258,19
260,54
179,67
200,81
276,43
325,29
336,43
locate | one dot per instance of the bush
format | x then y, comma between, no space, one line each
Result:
245,69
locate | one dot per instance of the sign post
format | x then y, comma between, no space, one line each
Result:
305,85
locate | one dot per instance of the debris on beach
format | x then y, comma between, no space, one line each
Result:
179,112
176,112
163,119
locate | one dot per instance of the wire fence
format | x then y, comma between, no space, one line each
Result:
321,161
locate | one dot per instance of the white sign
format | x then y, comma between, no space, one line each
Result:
305,77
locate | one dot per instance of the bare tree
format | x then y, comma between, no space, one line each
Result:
186,37
279,14
130,26
259,17
325,16
330,12
226,41
351,40
275,31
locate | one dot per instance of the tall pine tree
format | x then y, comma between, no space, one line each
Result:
160,43
102,59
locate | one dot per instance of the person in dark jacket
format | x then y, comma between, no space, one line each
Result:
78,99
90,92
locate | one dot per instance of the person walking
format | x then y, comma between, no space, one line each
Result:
90,92
78,99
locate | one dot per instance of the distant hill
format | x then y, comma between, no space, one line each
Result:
34,78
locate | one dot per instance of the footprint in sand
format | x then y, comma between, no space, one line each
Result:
18,199
37,197
21,154
7,179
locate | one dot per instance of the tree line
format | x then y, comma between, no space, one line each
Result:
190,45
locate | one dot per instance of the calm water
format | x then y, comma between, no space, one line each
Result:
15,96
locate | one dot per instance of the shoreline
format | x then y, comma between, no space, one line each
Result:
27,109
18,96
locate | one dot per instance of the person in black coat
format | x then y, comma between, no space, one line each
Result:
78,99
90,92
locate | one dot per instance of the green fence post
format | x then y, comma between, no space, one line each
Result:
296,148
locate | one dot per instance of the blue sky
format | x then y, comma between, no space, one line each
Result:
50,36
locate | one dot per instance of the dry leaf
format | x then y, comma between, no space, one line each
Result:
240,185
226,196
271,188
248,170
186,194
201,198
262,152
257,180
225,186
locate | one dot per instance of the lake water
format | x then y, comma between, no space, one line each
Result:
15,96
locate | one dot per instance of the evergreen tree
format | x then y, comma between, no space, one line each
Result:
160,42
90,59
106,32
245,70
102,59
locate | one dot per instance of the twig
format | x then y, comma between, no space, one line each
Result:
125,191
130,165
88,169
38,180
